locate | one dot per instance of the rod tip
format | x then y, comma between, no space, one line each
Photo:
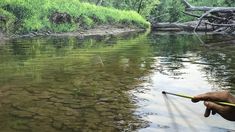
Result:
163,92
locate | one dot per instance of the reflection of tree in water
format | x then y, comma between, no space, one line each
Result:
216,57
63,87
220,68
173,50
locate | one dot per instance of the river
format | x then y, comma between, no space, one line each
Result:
113,83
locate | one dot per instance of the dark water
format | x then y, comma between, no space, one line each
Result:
109,83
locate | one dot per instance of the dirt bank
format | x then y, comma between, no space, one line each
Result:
100,31
97,31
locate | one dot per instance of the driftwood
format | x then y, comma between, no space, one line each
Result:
212,19
222,19
188,26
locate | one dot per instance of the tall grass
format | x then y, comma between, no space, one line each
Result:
34,15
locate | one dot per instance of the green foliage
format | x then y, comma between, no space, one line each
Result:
8,24
175,14
212,2
66,27
34,15
144,7
230,3
85,21
19,11
147,6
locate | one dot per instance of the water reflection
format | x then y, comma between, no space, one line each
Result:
69,84
111,83
186,68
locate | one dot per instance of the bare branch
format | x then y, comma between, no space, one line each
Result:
187,4
190,14
198,16
221,25
201,18
216,19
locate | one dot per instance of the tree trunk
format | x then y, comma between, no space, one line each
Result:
99,2
189,26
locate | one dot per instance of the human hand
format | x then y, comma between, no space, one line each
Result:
227,112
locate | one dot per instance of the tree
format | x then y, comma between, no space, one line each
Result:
144,7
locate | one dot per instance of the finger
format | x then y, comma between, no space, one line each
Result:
201,97
215,107
195,100
207,112
215,96
213,112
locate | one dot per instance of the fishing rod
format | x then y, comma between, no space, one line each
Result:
191,97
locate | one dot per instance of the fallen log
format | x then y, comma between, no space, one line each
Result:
209,17
222,19
222,25
189,7
188,26
212,19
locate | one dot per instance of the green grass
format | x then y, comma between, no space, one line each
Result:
34,15
7,25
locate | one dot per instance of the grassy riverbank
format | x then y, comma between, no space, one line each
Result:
24,16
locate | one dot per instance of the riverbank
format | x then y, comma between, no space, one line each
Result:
102,30
60,16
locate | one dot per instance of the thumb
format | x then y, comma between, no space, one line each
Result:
213,106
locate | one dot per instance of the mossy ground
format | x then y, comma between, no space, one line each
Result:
34,15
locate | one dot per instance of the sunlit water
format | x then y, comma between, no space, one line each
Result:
113,83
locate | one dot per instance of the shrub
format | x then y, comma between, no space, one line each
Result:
35,15
7,22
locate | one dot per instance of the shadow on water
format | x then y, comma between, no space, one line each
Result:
86,84
170,111
189,124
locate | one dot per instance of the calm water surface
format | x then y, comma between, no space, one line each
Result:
70,84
